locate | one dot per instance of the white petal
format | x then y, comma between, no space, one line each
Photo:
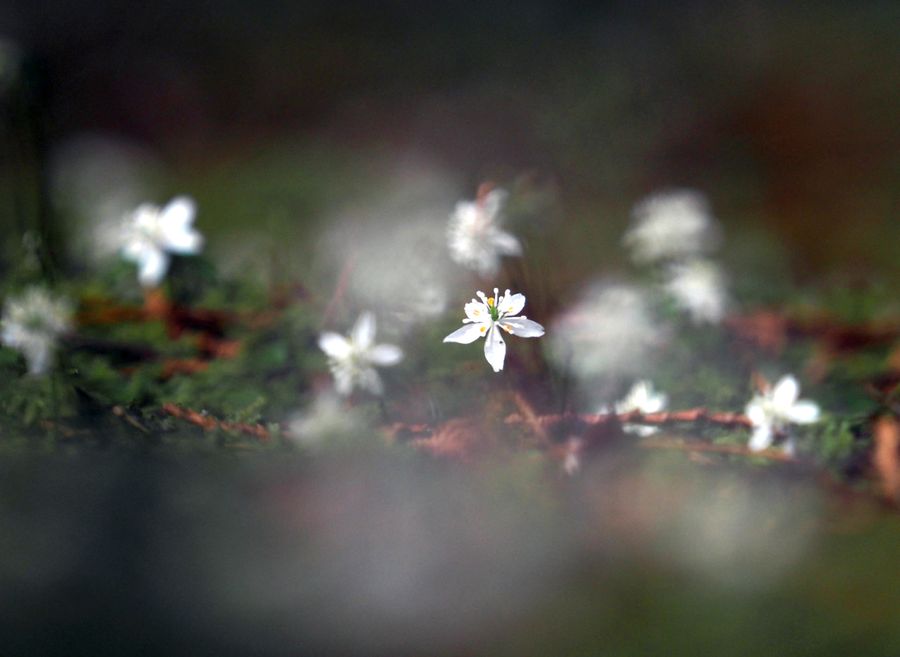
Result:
785,393
512,304
186,241
335,345
37,354
495,348
756,412
522,327
135,250
493,202
477,311
385,354
506,244
343,381
655,403
177,234
804,412
363,332
641,430
152,267
179,213
761,438
369,379
467,334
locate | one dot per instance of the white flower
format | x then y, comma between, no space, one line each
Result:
32,323
352,358
474,236
671,225
483,319
151,233
698,287
772,411
644,399
610,331
325,418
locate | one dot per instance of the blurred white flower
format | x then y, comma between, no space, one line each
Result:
572,455
483,319
380,249
474,236
643,398
671,225
32,323
698,287
610,331
352,358
151,233
326,417
772,412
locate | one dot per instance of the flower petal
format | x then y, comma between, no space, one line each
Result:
804,412
175,224
785,393
495,348
493,202
335,345
363,333
152,267
385,354
371,381
761,438
477,311
512,304
506,244
467,334
523,327
756,412
343,381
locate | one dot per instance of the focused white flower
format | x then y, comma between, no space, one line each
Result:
698,287
485,318
772,412
151,233
352,358
474,236
644,399
671,225
32,324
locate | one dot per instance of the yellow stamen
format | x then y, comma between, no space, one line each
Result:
490,301
483,329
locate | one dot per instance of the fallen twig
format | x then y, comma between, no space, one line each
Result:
209,423
886,455
692,415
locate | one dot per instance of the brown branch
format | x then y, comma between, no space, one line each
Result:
693,415
531,418
210,423
886,455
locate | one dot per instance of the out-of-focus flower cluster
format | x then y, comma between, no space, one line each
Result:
32,323
675,231
610,331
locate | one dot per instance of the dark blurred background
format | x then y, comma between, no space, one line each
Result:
786,114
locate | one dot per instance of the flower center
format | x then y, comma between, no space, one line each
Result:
495,312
